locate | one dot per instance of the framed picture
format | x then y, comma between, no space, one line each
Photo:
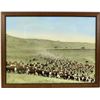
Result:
50,49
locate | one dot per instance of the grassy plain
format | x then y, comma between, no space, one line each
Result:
19,49
24,78
25,49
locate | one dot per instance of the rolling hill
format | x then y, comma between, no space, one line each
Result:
25,49
14,42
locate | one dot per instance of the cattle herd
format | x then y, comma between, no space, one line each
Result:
54,67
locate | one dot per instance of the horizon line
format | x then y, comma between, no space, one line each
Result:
48,39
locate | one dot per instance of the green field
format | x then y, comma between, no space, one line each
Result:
25,49
19,49
23,78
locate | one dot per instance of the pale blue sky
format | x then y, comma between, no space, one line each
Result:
70,29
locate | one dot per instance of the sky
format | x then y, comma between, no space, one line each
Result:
67,29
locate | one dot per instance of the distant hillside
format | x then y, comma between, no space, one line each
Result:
20,43
25,49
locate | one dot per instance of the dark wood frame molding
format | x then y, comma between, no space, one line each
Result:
51,85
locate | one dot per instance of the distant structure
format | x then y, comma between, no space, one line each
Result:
56,47
83,48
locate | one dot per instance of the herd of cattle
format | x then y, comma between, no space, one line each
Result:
55,67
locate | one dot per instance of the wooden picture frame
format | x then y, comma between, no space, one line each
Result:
50,14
